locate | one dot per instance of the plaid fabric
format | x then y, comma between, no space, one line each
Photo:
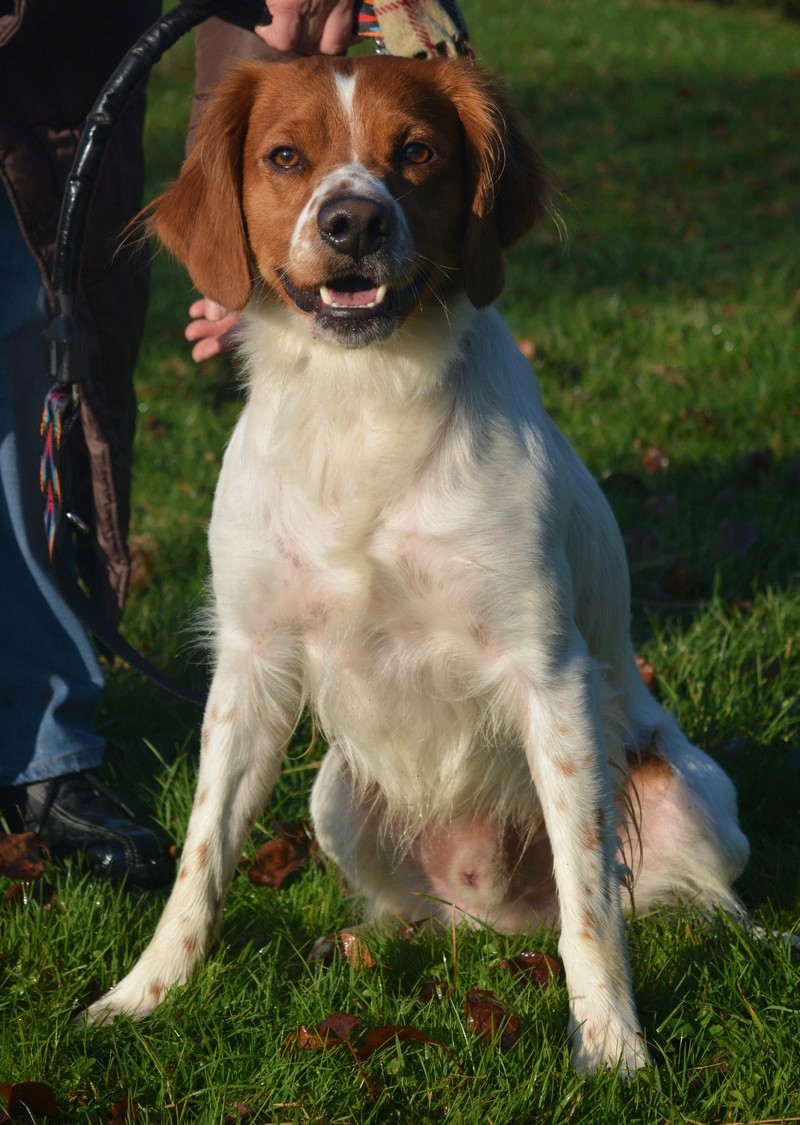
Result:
416,28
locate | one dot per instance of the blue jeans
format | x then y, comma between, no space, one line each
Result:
50,679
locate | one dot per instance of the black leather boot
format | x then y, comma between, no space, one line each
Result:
77,813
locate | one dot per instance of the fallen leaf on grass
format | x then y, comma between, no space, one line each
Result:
281,855
21,856
125,1110
331,1032
654,459
355,951
350,945
532,968
243,1111
143,567
490,1019
336,1029
434,991
31,1099
380,1036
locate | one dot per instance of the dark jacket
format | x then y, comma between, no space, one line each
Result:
55,57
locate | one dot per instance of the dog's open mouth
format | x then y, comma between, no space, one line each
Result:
353,293
355,309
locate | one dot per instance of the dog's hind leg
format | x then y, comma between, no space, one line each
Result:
680,837
251,711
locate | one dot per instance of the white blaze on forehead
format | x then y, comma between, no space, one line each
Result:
347,180
346,88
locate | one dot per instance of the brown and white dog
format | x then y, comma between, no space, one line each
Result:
403,540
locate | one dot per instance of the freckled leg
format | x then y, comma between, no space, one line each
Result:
565,747
249,717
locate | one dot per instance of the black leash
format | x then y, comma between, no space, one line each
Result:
67,356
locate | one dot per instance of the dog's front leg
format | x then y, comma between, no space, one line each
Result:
567,756
249,717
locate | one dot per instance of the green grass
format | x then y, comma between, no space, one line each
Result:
669,318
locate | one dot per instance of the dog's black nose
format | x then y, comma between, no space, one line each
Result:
355,226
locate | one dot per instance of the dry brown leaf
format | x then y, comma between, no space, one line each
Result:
243,1111
489,1018
532,968
331,1032
280,856
434,991
354,950
32,1099
380,1036
143,567
125,1110
654,459
21,856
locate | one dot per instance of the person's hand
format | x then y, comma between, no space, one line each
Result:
309,27
210,327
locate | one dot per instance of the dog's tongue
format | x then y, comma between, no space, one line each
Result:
352,293
354,299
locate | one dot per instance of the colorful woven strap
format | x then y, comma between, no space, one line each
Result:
58,415
367,26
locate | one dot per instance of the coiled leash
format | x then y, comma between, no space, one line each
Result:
421,28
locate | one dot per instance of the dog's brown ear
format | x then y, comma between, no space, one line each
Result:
199,218
508,181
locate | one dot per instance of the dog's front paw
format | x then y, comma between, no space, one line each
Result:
135,996
608,1045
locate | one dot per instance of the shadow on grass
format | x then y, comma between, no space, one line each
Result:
678,182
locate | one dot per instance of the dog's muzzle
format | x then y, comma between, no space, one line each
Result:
361,300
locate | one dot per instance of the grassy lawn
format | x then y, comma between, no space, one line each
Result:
666,334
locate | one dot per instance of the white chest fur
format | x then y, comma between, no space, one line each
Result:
370,522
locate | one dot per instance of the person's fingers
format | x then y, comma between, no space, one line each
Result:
337,34
207,348
285,33
207,309
212,337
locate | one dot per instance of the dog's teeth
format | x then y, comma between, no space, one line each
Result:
328,298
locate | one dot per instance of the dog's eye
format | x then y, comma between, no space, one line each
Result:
285,157
415,152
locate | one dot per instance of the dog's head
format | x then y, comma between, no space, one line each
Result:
354,189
